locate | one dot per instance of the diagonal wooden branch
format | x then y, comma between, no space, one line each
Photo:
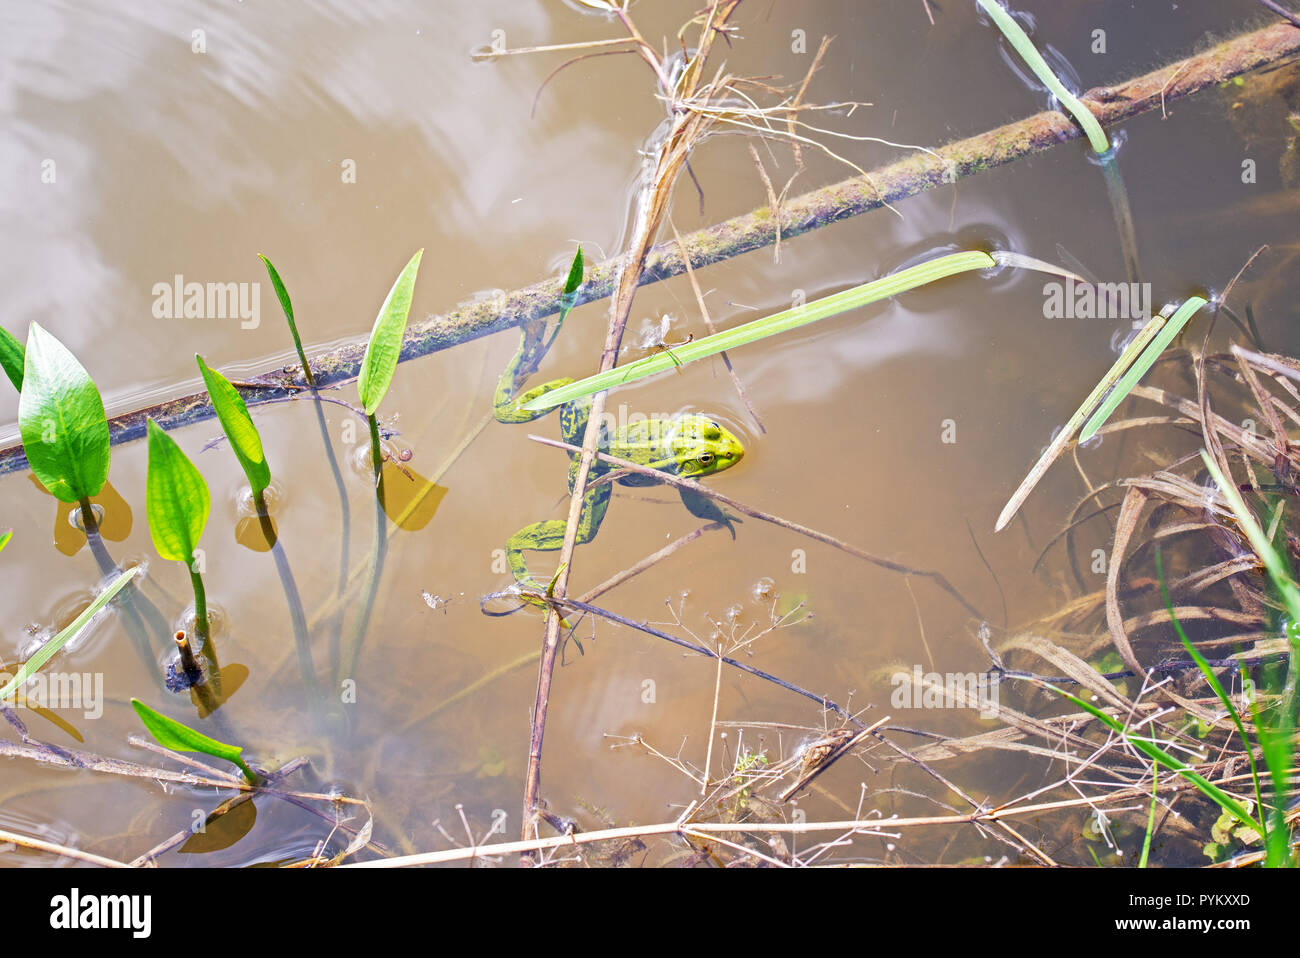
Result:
751,231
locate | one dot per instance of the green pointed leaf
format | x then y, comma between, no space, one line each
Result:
238,426
61,416
4,538
380,362
11,358
46,651
282,294
175,499
575,275
179,737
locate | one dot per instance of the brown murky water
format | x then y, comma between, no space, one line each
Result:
166,161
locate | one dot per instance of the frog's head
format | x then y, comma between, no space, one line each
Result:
699,446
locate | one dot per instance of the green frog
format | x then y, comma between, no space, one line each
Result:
690,445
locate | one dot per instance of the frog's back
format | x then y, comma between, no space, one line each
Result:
690,445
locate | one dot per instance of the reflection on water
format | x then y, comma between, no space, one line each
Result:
182,139
112,513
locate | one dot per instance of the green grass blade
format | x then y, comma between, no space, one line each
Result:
1025,47
238,426
1063,437
1213,681
178,737
1157,754
5,537
1151,822
176,498
282,295
784,321
1278,759
47,651
1276,742
380,362
11,358
1276,568
61,417
1140,367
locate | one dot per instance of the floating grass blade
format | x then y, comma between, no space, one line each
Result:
178,737
61,417
238,426
282,295
385,345
1027,485
11,358
1025,47
784,321
1141,365
46,651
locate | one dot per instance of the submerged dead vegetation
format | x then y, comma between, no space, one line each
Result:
1132,742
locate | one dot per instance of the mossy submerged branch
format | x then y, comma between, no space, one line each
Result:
751,231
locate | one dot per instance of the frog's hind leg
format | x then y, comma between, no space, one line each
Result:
510,410
508,402
548,536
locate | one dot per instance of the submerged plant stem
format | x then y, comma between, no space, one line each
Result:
1123,213
378,550
345,520
132,602
210,692
301,636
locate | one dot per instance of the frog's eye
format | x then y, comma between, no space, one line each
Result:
705,458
